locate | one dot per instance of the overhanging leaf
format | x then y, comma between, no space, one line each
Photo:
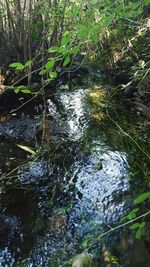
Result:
63,50
86,241
49,64
130,216
138,234
28,63
74,50
142,225
142,198
134,226
42,72
66,61
53,49
66,39
53,74
16,90
17,66
26,91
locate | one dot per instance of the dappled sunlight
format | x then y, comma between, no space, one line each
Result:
97,96
98,116
76,115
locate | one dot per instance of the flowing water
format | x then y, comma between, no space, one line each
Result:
56,202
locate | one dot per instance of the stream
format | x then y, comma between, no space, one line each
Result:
77,185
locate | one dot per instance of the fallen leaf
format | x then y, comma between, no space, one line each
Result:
28,149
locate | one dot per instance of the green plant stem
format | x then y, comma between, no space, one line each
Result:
122,225
16,109
143,78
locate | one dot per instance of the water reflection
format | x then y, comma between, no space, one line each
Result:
65,198
76,113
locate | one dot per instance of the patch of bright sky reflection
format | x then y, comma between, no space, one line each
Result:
75,112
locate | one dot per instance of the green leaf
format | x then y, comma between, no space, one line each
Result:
134,226
142,198
23,89
20,67
53,59
138,234
49,65
66,61
125,218
63,50
17,66
95,39
82,31
95,29
53,49
142,225
53,74
74,50
14,65
26,91
28,63
16,90
146,2
132,214
66,39
42,72
86,241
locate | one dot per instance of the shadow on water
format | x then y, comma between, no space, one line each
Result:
74,188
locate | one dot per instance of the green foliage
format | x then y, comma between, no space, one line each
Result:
131,215
42,72
50,64
53,49
66,39
66,61
113,260
138,227
138,234
142,198
28,63
20,66
53,74
78,26
22,89
85,242
17,66
134,226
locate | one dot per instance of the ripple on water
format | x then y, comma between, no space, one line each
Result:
97,187
99,180
76,113
94,205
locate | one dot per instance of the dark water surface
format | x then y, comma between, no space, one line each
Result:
74,188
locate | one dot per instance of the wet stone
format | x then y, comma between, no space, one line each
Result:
9,227
35,173
20,128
